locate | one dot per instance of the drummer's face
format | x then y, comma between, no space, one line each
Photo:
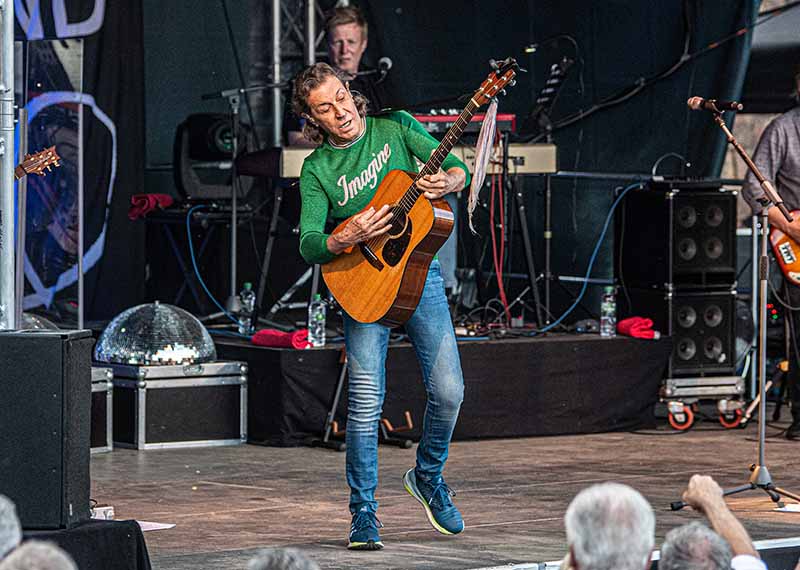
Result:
331,106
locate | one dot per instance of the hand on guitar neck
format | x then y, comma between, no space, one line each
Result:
440,183
776,220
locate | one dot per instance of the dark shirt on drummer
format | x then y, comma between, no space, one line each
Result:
778,157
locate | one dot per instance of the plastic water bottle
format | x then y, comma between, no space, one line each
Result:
608,313
316,321
247,300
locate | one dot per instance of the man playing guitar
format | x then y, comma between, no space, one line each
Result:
778,158
339,178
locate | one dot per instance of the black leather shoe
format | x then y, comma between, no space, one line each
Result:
793,432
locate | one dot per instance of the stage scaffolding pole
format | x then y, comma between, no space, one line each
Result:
277,99
7,281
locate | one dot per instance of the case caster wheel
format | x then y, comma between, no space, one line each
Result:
682,420
731,420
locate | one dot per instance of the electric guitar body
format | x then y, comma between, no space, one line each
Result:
787,252
381,280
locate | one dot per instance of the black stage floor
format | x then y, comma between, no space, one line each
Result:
227,502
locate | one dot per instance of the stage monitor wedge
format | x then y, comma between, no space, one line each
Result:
45,407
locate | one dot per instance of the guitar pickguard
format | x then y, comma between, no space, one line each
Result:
395,248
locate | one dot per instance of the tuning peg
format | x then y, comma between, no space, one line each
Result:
503,92
49,168
494,65
512,82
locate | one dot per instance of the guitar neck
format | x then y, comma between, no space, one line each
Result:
448,142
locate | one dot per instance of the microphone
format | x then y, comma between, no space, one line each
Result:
697,103
384,64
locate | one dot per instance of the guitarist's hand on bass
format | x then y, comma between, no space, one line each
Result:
777,220
441,183
361,227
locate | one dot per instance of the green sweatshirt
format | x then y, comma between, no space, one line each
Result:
342,181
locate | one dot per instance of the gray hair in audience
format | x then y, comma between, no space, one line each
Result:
10,530
38,555
610,527
694,546
280,559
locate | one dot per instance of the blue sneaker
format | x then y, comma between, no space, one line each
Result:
364,531
435,497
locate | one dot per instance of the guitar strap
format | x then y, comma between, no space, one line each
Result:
483,152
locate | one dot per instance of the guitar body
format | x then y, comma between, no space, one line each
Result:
787,252
384,283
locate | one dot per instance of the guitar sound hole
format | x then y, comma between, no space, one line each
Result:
395,248
398,224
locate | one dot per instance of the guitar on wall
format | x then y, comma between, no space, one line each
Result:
37,163
787,252
381,280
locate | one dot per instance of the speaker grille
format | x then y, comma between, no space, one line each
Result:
702,326
677,236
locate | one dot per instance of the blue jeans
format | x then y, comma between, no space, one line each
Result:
434,341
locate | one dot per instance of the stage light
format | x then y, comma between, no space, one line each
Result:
155,334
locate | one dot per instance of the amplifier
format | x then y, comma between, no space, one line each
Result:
44,422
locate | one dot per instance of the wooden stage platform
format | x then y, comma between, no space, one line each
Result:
228,502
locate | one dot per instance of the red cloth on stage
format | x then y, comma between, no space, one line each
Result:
143,204
637,327
279,339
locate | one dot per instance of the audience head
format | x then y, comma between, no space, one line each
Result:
610,527
10,530
281,559
694,546
346,30
38,555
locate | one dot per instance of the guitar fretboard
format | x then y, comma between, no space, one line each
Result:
437,157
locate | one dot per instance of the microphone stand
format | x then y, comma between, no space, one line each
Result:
759,477
233,96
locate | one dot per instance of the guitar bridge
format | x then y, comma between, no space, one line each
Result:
370,256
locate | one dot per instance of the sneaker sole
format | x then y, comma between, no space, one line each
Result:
370,545
414,493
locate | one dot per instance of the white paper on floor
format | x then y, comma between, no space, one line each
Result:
145,526
790,508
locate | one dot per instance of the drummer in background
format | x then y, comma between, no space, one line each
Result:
346,33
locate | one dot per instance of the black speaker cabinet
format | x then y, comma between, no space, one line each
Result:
702,325
45,399
681,235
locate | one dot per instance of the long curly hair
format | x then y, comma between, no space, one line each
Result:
308,80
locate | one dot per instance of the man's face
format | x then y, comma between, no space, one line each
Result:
346,45
331,106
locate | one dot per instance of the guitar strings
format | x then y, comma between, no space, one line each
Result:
411,195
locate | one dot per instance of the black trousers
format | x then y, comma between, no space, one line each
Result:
792,297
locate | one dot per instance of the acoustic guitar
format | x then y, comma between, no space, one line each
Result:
381,280
37,163
787,252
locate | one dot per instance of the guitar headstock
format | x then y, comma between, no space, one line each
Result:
37,163
502,75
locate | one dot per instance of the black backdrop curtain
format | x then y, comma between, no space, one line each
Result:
442,50
113,135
